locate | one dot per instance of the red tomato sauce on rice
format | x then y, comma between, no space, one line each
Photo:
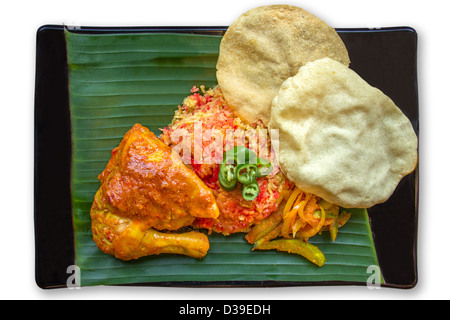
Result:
236,214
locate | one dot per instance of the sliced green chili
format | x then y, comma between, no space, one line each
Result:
227,176
226,184
264,167
240,164
247,173
250,191
228,171
240,155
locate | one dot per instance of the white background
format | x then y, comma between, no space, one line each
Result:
19,23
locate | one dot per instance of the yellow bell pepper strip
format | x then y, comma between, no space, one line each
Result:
303,248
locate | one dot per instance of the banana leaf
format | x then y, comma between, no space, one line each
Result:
117,80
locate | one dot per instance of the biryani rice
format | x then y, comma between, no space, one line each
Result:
209,108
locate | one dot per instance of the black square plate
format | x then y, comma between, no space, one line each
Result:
386,58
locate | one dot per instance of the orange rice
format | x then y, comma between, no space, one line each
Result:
236,214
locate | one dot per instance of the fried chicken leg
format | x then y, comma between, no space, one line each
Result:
129,239
146,187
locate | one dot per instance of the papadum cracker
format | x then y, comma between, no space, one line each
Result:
341,138
265,46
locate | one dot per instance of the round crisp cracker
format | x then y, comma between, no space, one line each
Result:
339,137
264,47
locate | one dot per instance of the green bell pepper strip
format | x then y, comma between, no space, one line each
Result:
250,191
305,249
247,173
264,227
272,234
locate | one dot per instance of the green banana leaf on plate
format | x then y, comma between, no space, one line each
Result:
119,79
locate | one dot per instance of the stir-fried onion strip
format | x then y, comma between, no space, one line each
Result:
313,229
291,200
303,216
300,223
298,215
